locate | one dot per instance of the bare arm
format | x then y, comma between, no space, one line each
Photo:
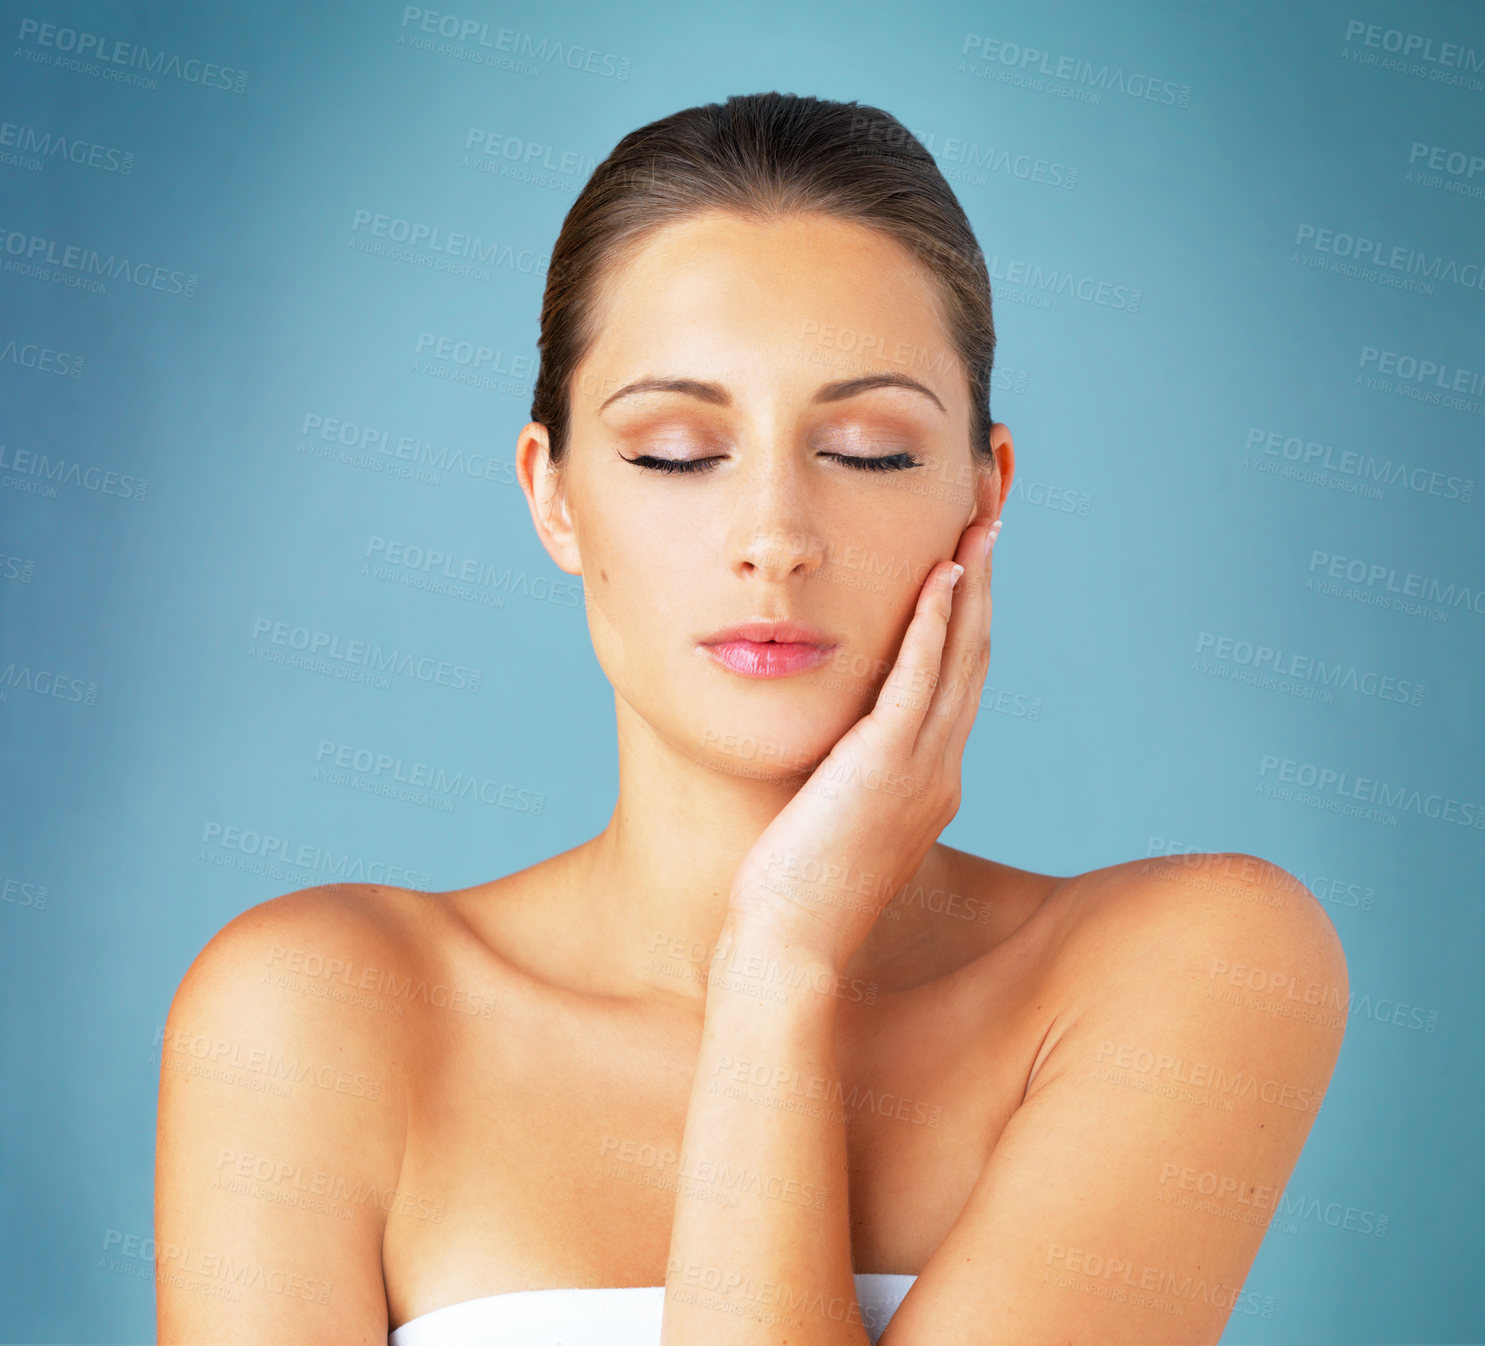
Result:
762,1125
280,1122
1130,1191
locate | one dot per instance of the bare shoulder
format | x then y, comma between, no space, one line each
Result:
1224,952
329,934
282,1115
1226,905
299,983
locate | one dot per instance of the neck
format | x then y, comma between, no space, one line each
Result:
656,881
650,892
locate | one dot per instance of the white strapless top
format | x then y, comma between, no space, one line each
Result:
626,1316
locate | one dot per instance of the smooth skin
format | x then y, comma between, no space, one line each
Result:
697,1050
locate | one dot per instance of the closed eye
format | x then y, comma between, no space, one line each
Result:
892,462
673,464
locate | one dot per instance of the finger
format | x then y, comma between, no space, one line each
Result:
959,733
905,695
962,667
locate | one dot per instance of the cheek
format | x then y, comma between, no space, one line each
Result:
877,578
637,609
876,639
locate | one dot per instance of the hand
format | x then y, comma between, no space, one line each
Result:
822,871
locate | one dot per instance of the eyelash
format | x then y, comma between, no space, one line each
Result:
892,462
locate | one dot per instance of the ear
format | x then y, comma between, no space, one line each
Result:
546,497
993,482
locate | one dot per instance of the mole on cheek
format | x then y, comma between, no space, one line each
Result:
603,574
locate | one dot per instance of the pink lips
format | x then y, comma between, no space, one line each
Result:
769,649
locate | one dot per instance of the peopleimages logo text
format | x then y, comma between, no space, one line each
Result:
1362,466
1054,280
1409,584
476,33
389,769
1386,256
1441,375
110,51
319,647
1306,668
1414,46
29,142
1325,780
90,265
435,238
1075,71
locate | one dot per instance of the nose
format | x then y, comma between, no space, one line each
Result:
777,538
776,555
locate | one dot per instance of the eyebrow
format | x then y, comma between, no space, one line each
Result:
717,395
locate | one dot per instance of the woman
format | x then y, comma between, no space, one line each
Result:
763,1060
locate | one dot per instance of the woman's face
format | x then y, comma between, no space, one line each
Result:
764,327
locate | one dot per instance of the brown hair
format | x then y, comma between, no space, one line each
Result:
762,155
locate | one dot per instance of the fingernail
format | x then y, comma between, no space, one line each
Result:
991,536
955,571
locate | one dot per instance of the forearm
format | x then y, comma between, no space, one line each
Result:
760,1248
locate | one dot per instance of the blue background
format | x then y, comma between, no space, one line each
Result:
1152,527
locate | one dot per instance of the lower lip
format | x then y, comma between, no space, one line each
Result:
770,658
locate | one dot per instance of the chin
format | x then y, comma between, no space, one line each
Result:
789,742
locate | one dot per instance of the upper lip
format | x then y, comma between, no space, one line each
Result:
761,629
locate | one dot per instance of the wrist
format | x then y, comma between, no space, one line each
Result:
788,948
